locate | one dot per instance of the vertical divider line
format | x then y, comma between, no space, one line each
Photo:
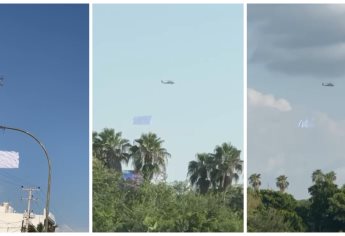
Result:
90,110
245,153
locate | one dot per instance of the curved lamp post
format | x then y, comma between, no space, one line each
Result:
49,169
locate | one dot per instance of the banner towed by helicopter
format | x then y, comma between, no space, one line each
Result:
141,120
9,159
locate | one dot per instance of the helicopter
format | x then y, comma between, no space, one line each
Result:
167,82
328,84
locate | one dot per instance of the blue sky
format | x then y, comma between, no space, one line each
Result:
44,57
292,50
200,47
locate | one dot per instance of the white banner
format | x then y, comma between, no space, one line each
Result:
9,159
141,120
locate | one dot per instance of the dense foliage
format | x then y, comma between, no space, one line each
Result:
277,211
121,205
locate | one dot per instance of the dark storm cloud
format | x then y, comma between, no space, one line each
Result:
301,40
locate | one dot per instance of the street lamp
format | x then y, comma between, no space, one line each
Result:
49,168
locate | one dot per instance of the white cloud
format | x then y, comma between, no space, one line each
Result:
256,98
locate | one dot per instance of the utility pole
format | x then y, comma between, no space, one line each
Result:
30,198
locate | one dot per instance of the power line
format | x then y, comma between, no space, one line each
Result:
10,182
20,179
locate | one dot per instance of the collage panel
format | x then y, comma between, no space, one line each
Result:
167,118
44,118
296,120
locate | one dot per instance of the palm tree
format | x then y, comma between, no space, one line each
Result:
96,145
282,183
228,162
111,148
255,181
198,172
318,176
149,157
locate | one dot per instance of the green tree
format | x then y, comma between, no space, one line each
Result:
303,210
227,165
121,206
324,211
337,209
95,145
181,187
111,148
108,202
217,170
269,220
255,181
278,200
149,157
317,176
198,172
253,200
234,198
149,207
282,183
322,190
271,211
330,177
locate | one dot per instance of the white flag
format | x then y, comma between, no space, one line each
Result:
9,159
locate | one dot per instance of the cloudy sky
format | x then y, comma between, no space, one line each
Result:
295,125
